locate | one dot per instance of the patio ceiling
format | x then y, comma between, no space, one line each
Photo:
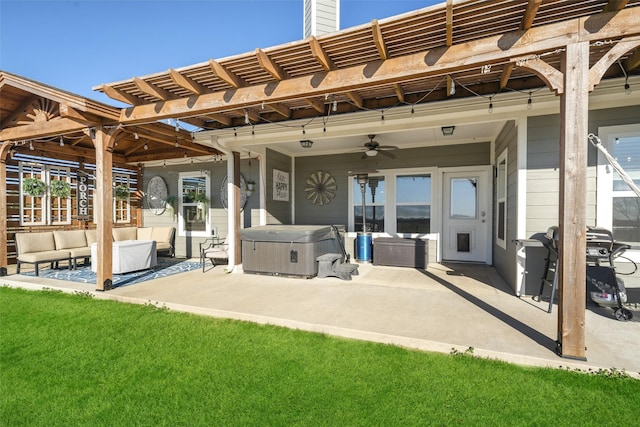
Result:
44,121
404,60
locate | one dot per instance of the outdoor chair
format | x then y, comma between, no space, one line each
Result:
213,249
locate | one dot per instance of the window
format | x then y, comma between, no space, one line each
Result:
374,198
413,204
194,200
618,206
501,201
396,202
121,199
44,194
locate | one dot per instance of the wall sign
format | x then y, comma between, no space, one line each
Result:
157,195
280,185
82,193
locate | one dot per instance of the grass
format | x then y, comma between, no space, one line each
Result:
70,360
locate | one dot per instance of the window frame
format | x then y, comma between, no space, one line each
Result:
48,216
390,218
182,231
501,182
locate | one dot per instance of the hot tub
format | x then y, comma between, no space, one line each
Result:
288,250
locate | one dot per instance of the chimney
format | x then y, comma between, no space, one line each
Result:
321,17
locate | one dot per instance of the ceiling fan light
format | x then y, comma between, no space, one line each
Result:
371,153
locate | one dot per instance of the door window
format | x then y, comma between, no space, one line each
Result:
464,198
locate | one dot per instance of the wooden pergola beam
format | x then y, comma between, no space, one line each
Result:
121,96
397,88
436,62
633,61
153,90
355,98
320,55
530,14
225,75
449,23
187,83
316,104
615,5
19,110
270,66
378,40
71,113
281,109
36,130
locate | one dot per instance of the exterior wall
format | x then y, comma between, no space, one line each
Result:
504,258
543,177
187,246
278,212
321,17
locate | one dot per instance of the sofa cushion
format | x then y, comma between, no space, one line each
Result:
69,239
144,233
35,242
43,256
91,236
162,234
124,233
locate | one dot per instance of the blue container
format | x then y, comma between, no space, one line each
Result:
363,247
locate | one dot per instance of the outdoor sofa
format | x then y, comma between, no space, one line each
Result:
71,245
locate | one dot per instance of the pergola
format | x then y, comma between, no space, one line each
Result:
483,46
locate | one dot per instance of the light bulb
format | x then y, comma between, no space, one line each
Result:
529,102
146,147
246,117
490,105
61,142
136,136
335,106
30,145
627,89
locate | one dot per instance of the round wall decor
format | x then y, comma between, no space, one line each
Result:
223,192
157,195
320,188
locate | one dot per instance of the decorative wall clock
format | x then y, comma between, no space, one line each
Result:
157,195
223,192
320,188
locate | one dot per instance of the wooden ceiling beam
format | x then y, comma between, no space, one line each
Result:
53,150
20,110
397,88
449,22
153,90
355,98
378,39
36,130
320,55
88,119
615,5
225,75
187,83
220,118
506,75
121,96
281,109
316,104
270,66
252,115
530,14
436,62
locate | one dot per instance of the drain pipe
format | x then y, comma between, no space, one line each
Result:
231,201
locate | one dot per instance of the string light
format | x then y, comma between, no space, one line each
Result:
30,145
491,104
164,163
146,147
136,136
61,142
382,117
246,117
177,125
303,131
176,144
412,110
335,106
529,102
235,132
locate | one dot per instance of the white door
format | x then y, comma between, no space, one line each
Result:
466,216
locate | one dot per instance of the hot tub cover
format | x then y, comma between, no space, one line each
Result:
287,233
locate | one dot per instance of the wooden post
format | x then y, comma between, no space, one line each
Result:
4,154
574,111
237,207
139,193
103,209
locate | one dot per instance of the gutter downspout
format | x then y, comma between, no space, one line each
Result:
231,201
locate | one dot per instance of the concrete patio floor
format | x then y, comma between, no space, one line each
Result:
447,306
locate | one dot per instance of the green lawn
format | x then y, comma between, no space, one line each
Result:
70,360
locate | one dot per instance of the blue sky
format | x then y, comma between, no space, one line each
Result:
75,45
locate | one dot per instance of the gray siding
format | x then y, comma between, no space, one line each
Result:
188,246
326,17
505,259
278,212
543,176
338,166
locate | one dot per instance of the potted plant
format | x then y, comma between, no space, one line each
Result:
59,188
33,187
201,199
251,184
121,191
170,204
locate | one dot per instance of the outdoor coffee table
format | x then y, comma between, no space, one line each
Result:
128,255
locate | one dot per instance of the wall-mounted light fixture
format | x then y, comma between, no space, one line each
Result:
306,143
447,130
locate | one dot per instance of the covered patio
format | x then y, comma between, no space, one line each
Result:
498,53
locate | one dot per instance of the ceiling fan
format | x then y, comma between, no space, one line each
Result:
372,148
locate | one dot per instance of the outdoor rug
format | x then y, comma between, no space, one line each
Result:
166,267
